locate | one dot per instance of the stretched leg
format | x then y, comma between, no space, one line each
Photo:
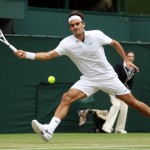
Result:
112,115
130,100
69,97
62,109
122,117
46,131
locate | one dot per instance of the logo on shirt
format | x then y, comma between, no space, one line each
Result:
91,43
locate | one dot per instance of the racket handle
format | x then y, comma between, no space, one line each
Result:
13,48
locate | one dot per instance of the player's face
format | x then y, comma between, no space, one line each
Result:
130,57
77,27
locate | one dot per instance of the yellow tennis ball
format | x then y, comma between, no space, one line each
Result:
51,79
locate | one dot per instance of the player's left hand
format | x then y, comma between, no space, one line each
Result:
130,65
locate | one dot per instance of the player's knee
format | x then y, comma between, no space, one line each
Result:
66,99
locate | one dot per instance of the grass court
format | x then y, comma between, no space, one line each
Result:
76,141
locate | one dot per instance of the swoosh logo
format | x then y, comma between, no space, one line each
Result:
91,43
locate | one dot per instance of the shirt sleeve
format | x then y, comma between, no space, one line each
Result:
61,49
104,39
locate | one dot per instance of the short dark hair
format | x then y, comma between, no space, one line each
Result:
78,13
127,52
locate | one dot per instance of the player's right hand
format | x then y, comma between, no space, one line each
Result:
21,54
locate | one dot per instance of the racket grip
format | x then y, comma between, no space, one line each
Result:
13,48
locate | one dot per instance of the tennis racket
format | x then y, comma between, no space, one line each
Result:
3,39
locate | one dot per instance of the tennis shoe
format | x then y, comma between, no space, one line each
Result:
121,132
106,130
42,130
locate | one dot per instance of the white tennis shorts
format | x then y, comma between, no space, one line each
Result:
112,86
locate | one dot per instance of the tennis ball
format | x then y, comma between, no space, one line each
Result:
51,79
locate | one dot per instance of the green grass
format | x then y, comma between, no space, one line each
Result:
76,141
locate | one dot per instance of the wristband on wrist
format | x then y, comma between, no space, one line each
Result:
30,55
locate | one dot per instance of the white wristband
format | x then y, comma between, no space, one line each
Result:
30,55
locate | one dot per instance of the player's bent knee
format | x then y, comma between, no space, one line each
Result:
66,99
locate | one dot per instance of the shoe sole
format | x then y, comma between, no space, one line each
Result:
121,132
106,130
35,126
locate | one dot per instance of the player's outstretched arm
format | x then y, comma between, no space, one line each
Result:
121,51
36,56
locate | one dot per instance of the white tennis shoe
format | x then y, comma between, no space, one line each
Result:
42,130
121,132
106,130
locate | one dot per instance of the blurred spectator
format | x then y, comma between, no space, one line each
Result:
7,26
94,5
104,6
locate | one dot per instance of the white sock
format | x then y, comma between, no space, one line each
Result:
53,124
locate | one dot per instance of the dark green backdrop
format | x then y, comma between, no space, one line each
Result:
26,95
52,22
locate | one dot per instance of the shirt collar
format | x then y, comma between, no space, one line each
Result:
124,64
85,33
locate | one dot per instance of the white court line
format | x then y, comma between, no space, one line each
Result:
134,147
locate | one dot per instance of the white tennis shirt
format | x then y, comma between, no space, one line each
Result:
88,56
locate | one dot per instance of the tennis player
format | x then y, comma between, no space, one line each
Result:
119,109
85,49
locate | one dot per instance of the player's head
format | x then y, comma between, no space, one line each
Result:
130,56
76,22
77,13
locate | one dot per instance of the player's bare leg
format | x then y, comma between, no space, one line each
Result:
46,131
62,109
68,97
133,102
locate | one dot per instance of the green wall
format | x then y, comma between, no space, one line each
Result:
13,9
54,23
139,29
26,95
